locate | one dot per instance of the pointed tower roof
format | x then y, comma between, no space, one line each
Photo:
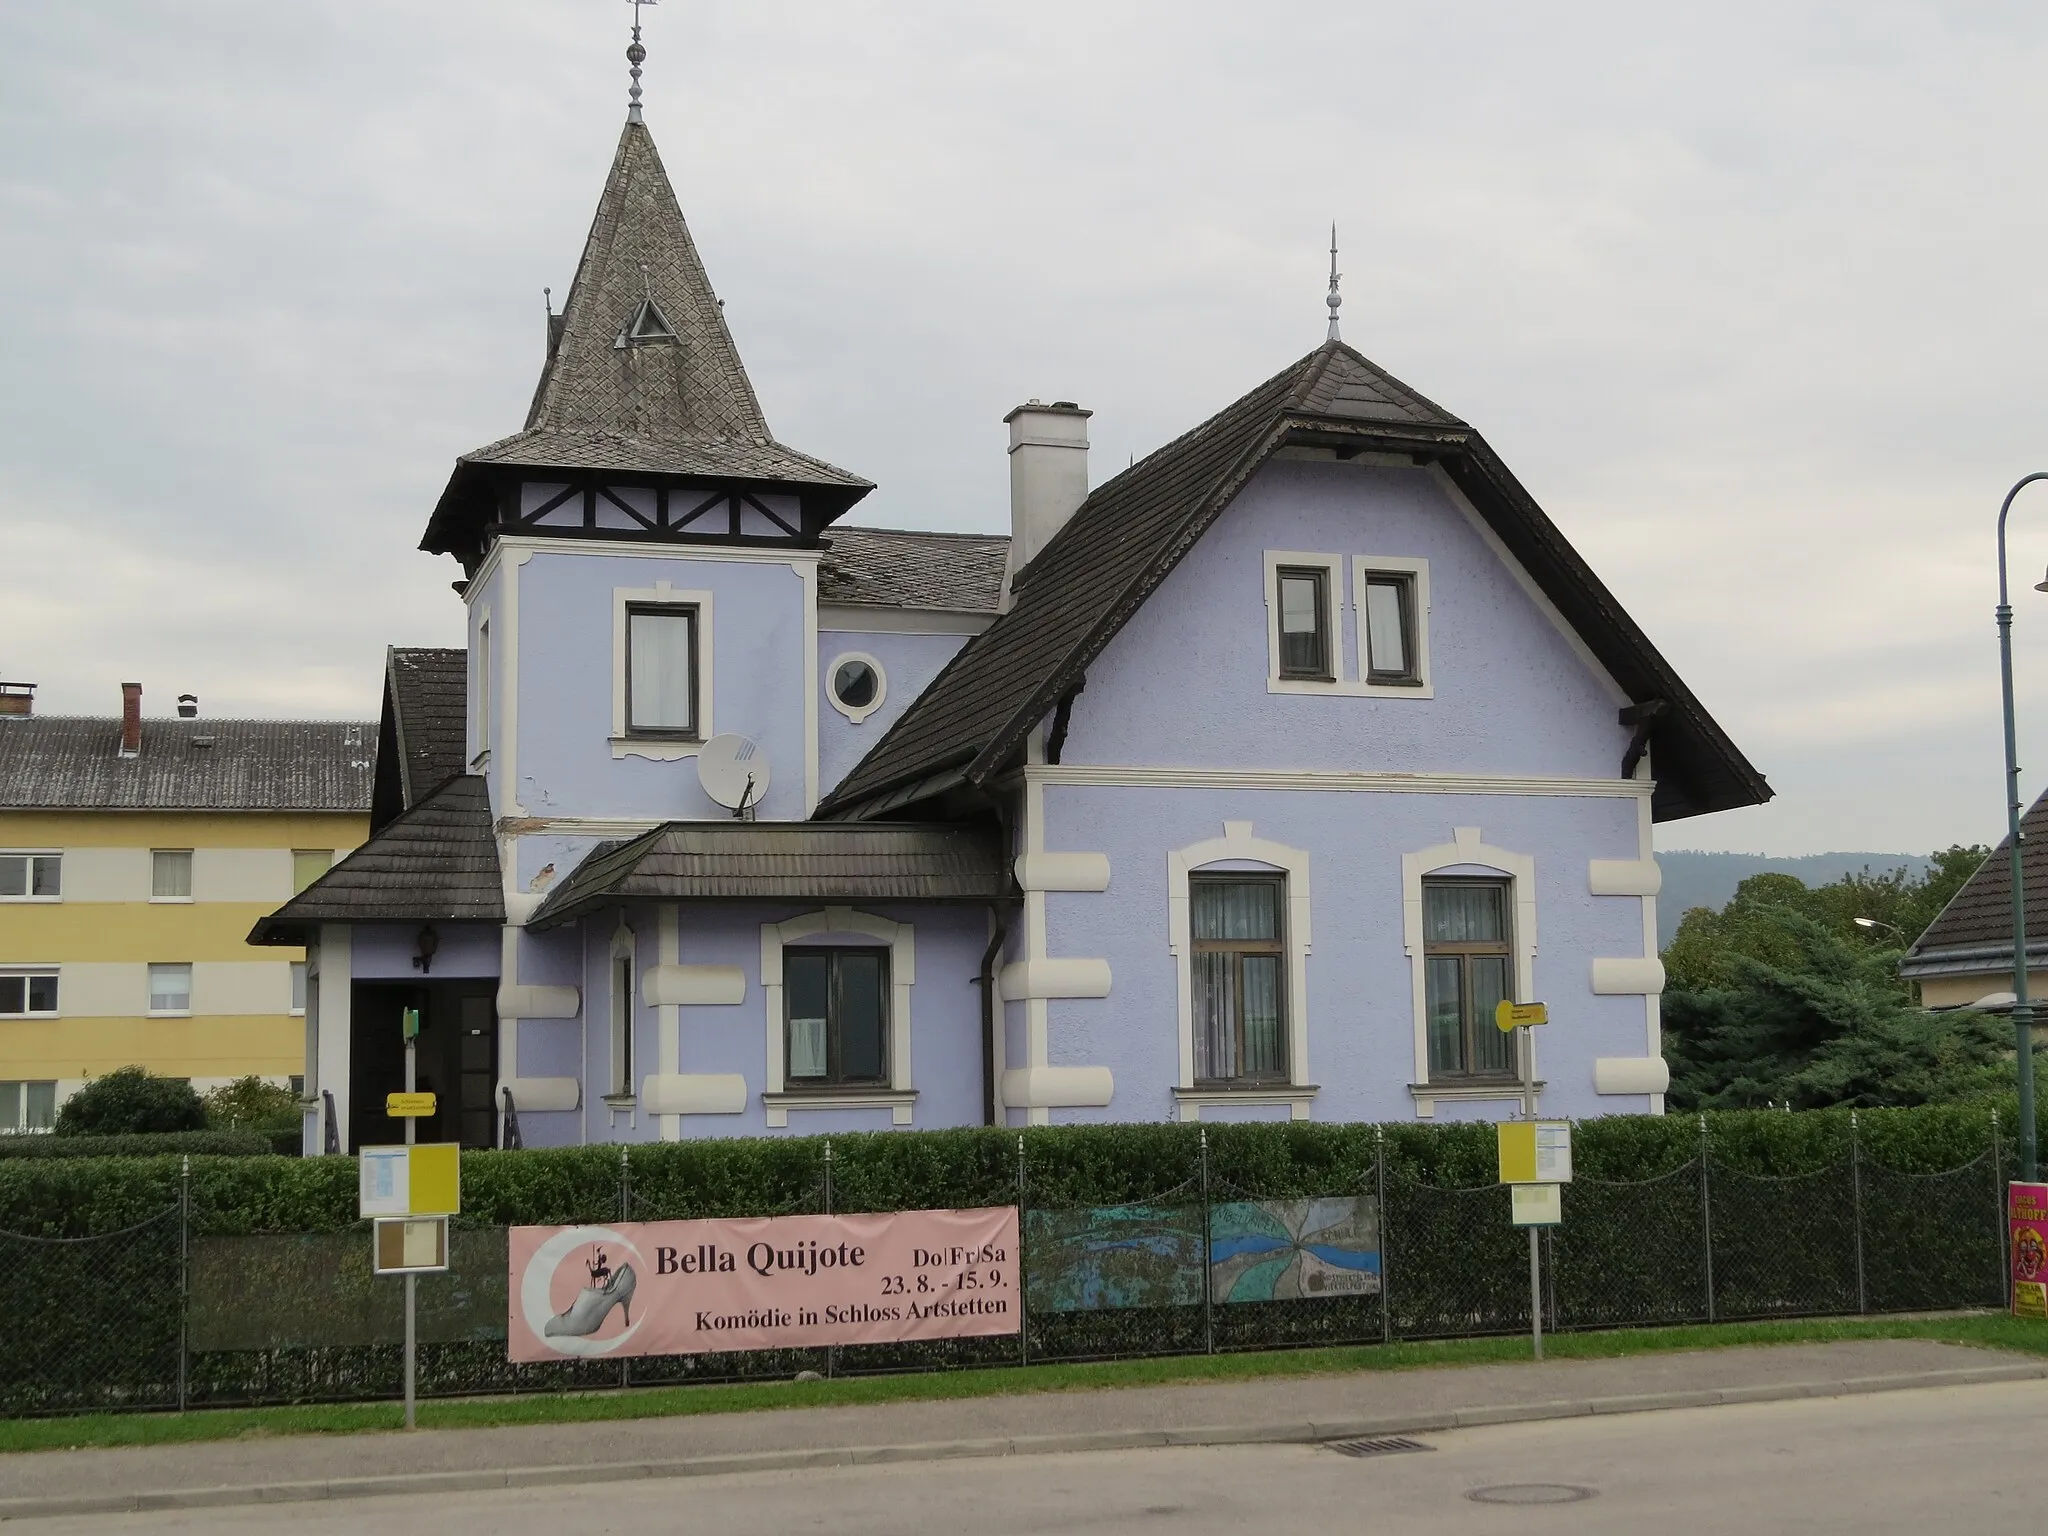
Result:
642,377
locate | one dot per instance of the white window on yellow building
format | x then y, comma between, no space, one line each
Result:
31,876
170,988
308,865
170,874
27,1107
26,994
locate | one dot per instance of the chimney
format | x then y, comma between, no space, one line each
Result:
131,719
1048,477
188,706
17,699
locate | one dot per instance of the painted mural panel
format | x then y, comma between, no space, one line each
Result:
1294,1250
1102,1257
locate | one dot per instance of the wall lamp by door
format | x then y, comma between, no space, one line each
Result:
426,944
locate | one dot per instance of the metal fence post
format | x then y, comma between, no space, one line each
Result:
831,1350
1856,1208
1208,1301
1023,1265
184,1276
1706,1218
2001,1240
1379,1169
625,1215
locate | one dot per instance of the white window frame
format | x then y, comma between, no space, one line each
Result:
1332,567
667,749
480,693
149,982
19,1125
176,901
622,1019
301,988
900,1096
856,715
1417,572
37,853
1467,850
1240,848
32,971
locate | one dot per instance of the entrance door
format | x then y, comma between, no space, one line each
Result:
456,1060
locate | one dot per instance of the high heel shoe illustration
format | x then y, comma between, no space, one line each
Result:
593,1304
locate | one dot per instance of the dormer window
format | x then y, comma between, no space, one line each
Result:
648,324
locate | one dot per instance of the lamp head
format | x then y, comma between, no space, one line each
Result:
2042,584
1865,922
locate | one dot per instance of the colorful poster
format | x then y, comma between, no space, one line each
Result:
1107,1256
2026,1209
1290,1250
771,1282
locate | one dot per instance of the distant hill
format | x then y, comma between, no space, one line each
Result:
1709,879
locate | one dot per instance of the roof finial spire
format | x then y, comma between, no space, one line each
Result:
1335,299
635,56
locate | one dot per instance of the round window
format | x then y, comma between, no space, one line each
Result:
855,684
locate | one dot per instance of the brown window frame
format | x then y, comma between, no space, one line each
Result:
694,614
1466,951
1409,676
835,1079
1238,949
1319,577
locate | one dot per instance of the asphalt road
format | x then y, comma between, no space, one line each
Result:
1954,1460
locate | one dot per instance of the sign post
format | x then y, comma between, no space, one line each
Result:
1520,1020
410,1191
1535,1164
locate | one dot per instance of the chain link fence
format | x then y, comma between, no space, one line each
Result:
162,1314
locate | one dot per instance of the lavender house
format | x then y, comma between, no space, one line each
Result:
1243,784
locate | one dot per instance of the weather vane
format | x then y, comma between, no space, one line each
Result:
635,56
1335,299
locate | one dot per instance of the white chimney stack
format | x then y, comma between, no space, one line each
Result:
1048,477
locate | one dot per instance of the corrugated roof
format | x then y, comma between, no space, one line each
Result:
905,568
766,860
1133,530
436,863
53,762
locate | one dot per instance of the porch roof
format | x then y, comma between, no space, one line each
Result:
784,861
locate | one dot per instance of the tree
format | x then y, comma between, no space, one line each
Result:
130,1101
251,1104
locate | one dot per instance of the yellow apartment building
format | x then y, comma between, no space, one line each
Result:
135,855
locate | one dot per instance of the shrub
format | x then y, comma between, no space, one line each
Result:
251,1104
193,1143
131,1102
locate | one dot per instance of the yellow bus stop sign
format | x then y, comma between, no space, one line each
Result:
1509,1016
409,1106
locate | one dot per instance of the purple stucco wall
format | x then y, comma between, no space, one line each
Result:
909,662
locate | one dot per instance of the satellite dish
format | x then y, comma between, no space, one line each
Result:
734,772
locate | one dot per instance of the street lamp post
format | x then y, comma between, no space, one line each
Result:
2022,1010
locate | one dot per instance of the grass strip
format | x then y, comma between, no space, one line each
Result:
1987,1331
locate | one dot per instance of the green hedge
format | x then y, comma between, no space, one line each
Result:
43,1195
141,1144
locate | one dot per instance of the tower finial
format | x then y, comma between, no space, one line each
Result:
1335,299
635,56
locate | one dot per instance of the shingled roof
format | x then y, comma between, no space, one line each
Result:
766,860
423,737
642,376
57,762
1973,933
436,863
1133,530
902,568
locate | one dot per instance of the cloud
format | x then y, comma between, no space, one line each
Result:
1747,296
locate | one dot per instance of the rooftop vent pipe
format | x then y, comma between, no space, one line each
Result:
17,699
188,706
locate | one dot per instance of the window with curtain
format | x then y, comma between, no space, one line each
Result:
1239,991
170,874
170,988
1468,969
1390,628
838,1017
661,671
27,1106
1304,598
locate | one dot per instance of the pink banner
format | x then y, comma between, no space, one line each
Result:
771,1282
2026,1208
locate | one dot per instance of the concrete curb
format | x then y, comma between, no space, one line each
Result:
1300,1433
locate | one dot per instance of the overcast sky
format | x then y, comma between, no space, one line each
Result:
1751,296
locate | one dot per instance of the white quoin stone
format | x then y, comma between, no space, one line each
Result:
694,1093
541,1093
517,1002
1048,476
1631,1074
694,985
1058,1087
